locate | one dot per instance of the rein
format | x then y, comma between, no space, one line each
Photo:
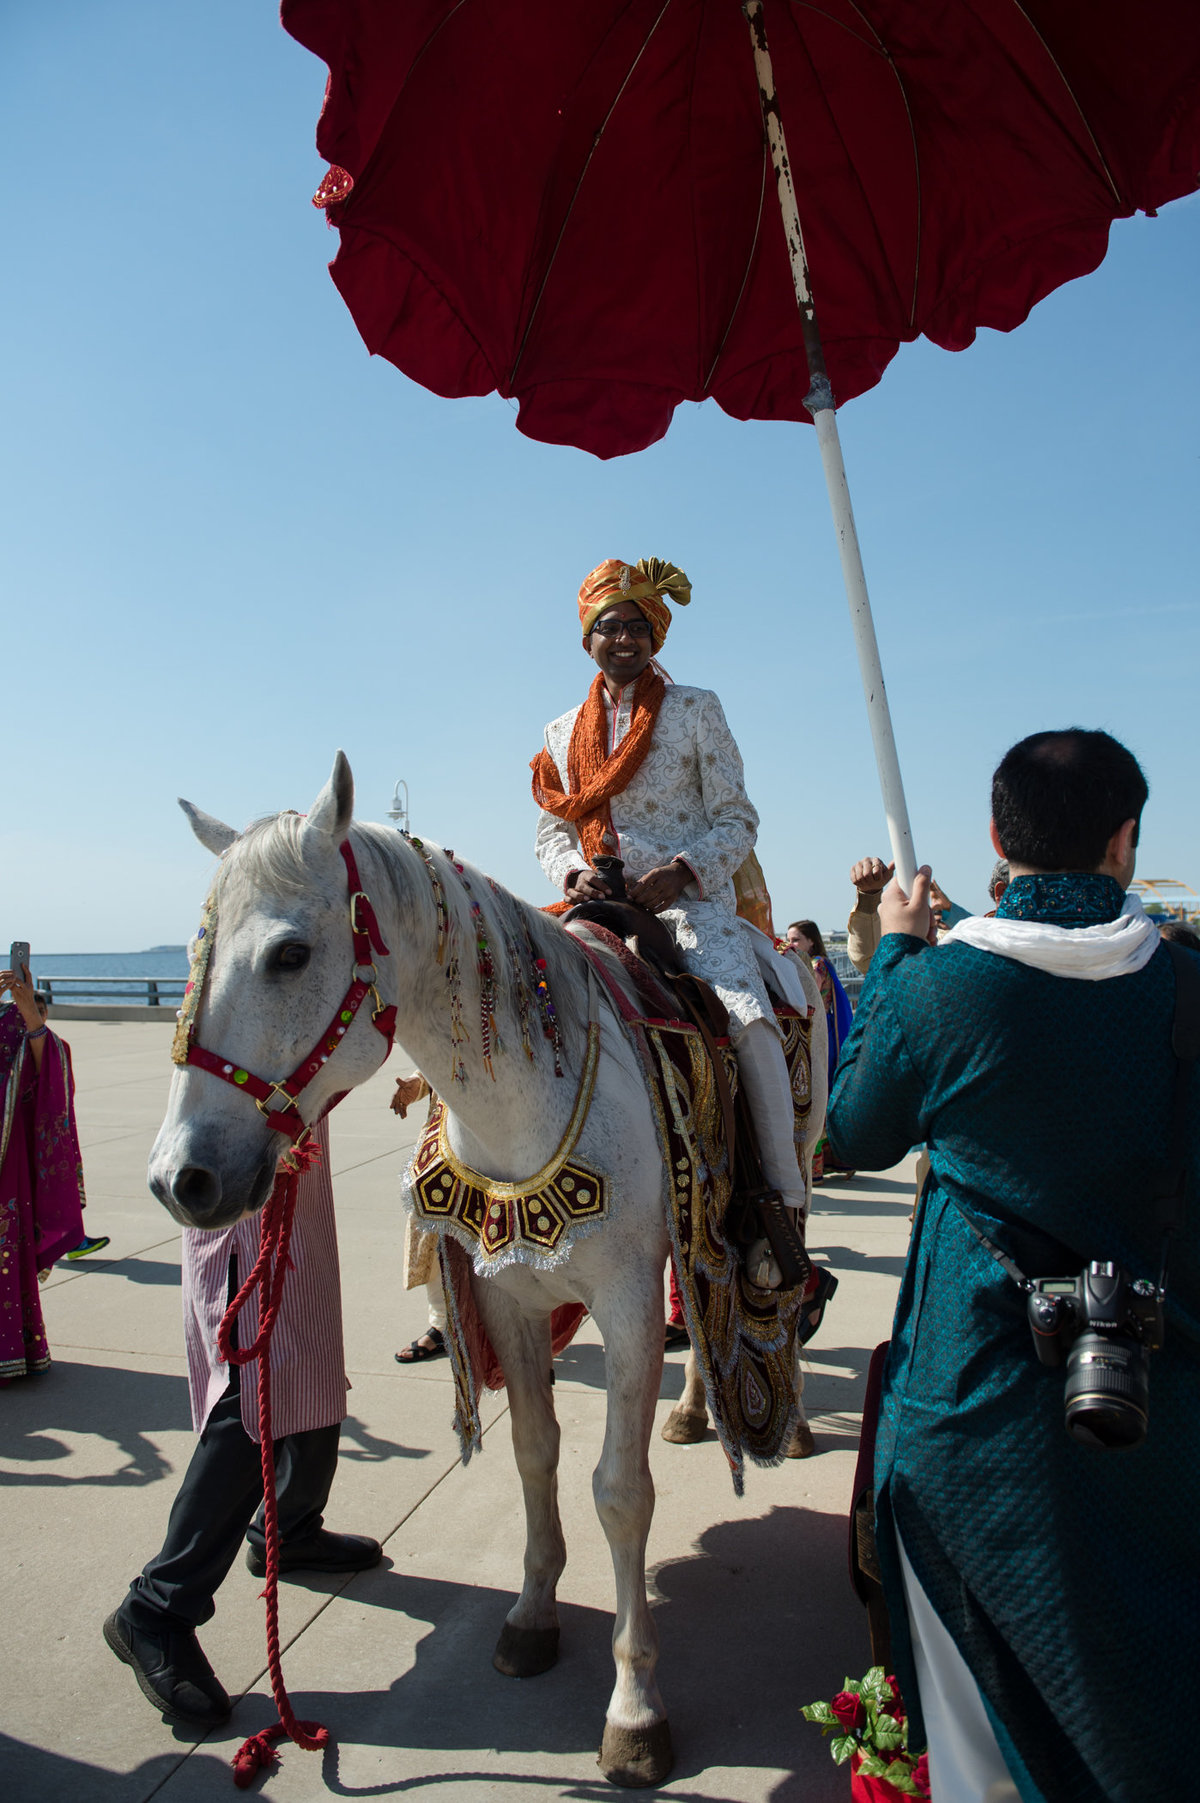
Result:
271,1266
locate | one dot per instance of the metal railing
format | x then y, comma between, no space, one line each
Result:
153,992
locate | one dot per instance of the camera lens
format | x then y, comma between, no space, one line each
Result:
1108,1391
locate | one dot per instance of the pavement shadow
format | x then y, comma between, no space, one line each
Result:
845,1258
753,1624
838,1199
134,1270
31,1772
584,1364
91,1399
366,1448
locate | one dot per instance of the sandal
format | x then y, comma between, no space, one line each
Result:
675,1336
418,1352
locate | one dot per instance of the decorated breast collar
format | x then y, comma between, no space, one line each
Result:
497,1220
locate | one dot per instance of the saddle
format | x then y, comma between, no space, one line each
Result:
755,1209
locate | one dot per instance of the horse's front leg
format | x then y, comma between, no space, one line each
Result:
528,1642
636,1749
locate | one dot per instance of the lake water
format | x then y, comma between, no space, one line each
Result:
169,961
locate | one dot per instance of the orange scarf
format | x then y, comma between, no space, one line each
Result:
593,777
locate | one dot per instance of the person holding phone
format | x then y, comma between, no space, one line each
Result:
41,1170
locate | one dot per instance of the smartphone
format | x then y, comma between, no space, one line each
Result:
18,959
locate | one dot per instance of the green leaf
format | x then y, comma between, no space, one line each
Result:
818,1712
899,1774
876,1687
842,1746
872,1765
888,1732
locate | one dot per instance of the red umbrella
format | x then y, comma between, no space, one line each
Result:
572,204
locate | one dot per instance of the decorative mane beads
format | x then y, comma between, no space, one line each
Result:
517,976
485,966
550,1026
439,895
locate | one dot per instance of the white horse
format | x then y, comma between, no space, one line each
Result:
278,970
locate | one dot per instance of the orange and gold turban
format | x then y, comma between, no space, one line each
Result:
646,582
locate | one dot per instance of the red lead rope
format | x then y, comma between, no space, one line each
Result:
267,1277
271,1268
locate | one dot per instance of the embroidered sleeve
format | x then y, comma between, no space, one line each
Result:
557,842
732,817
875,1111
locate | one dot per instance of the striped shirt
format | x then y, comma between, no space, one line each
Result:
308,1361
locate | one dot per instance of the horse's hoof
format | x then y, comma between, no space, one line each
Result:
801,1445
636,1758
684,1428
524,1652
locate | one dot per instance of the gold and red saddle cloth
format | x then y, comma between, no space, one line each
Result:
744,1338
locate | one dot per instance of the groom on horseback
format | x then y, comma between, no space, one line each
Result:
648,770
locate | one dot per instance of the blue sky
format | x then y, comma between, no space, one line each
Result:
233,542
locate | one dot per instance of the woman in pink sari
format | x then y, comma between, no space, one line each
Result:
41,1172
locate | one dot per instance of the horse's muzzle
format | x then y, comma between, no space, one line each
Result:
195,1195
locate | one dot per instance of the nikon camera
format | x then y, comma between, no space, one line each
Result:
1103,1325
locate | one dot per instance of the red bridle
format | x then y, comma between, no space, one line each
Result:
285,1118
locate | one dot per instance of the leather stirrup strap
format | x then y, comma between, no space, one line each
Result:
681,986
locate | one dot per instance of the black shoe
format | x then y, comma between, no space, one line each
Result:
322,1552
171,1670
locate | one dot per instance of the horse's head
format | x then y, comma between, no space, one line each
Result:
280,964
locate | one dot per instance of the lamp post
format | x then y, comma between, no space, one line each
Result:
398,812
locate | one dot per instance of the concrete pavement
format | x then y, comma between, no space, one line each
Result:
752,1599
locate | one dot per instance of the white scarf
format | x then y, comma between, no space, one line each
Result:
1115,948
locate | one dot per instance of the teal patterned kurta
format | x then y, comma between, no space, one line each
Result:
1069,1577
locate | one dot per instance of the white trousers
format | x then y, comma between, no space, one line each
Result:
763,1074
965,1761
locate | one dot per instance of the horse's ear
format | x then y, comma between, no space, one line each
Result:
213,834
333,810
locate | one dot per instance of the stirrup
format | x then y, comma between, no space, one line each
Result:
775,1258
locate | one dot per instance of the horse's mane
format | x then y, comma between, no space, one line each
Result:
269,856
266,856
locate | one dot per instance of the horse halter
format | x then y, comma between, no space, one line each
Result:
285,1117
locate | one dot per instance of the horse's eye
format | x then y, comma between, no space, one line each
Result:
292,956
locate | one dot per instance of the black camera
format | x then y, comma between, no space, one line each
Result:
1103,1325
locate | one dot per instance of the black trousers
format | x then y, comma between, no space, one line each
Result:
215,1508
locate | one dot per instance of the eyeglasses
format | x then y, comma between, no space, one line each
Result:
612,629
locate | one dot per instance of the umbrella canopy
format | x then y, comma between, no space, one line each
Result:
574,204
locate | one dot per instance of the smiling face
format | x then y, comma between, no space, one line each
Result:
799,941
621,656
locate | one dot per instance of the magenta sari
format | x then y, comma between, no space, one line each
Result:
41,1187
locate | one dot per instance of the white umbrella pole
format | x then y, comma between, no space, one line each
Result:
819,402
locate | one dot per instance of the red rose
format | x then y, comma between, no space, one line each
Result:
920,1774
849,1710
897,1706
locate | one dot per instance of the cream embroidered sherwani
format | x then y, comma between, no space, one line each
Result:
687,801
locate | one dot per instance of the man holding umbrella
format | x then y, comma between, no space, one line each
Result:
648,770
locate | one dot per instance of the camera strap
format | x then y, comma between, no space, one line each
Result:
1185,1044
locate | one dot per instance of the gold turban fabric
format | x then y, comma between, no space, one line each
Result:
647,582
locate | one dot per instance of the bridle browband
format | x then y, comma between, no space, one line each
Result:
278,1102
